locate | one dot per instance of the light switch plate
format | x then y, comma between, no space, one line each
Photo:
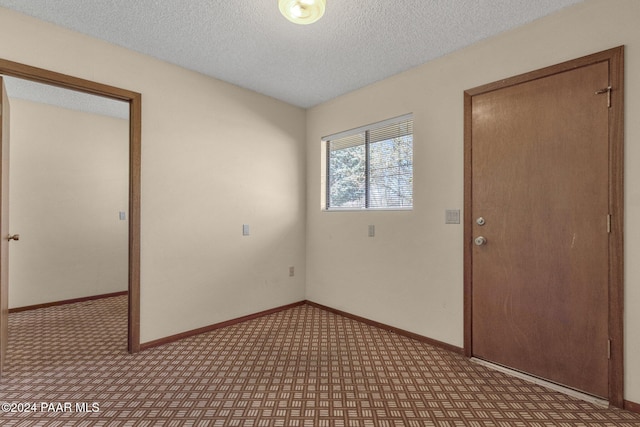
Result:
245,229
452,216
122,215
372,231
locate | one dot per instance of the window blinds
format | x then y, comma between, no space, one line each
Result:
371,167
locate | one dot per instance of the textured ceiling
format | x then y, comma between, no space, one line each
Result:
250,44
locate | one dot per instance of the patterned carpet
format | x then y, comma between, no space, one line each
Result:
68,366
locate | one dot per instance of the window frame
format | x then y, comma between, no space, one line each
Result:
366,130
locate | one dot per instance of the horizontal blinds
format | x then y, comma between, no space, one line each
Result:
347,142
396,130
376,134
372,168
391,170
371,127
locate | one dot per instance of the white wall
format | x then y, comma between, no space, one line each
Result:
411,274
214,156
69,180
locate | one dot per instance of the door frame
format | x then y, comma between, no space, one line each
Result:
40,75
615,59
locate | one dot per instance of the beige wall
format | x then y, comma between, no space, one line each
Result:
214,156
69,180
411,274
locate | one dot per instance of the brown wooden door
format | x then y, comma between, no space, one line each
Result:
4,225
540,180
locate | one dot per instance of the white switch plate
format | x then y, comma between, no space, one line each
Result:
372,231
122,215
452,216
245,229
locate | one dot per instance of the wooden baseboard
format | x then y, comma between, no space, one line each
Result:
176,337
393,329
67,301
632,406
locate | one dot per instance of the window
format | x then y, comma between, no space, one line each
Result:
371,167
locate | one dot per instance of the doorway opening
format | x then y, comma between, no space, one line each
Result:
68,200
26,72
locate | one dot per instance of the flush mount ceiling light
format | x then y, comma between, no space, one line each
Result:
302,11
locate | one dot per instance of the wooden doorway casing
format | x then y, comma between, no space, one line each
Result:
614,58
134,99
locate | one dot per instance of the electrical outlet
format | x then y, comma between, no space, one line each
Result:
291,271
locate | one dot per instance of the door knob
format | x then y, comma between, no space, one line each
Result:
480,221
479,241
13,237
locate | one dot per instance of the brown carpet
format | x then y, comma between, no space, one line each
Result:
300,367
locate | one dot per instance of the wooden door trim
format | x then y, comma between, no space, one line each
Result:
615,58
40,75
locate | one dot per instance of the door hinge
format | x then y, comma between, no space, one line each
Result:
608,349
606,90
608,223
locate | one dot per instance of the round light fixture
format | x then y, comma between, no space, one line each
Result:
302,11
